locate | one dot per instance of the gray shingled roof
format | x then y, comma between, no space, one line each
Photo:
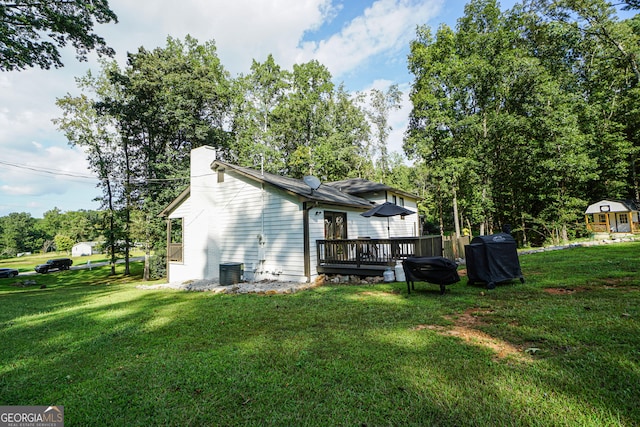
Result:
358,186
325,193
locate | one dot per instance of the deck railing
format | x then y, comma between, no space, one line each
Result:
368,252
601,227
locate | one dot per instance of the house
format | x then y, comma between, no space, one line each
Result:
269,224
613,216
84,248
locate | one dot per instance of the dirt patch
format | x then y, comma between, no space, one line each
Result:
501,348
565,291
619,282
471,317
464,328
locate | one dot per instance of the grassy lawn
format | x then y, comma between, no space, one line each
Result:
28,262
561,349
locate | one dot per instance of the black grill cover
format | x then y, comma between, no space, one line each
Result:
492,259
438,270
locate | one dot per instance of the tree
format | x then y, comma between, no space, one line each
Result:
255,97
177,99
302,118
19,234
297,123
97,135
49,225
381,105
342,153
606,70
498,123
139,130
63,243
23,24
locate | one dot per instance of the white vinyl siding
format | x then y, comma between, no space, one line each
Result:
227,221
182,210
243,213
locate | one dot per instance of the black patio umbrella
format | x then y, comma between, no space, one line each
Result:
387,209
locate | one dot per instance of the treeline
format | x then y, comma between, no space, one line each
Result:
521,117
526,116
55,231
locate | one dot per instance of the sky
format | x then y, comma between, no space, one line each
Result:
363,43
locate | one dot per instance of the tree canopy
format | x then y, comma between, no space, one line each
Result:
524,116
33,31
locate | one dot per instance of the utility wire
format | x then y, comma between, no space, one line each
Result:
48,170
58,172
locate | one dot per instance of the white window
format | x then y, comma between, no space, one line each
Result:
623,218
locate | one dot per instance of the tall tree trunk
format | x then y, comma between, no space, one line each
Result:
146,275
456,219
127,208
483,231
636,187
440,215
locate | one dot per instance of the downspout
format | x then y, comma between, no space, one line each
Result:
305,237
168,246
262,186
262,241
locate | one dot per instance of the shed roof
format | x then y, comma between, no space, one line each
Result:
92,244
604,206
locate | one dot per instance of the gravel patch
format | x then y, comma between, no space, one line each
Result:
262,287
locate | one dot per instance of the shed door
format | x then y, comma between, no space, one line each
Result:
335,225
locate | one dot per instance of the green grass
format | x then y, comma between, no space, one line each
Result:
28,262
334,355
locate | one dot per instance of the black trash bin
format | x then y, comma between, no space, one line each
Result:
231,273
492,259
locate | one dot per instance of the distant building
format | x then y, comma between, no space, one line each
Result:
84,249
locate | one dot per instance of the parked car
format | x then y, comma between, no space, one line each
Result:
54,264
8,272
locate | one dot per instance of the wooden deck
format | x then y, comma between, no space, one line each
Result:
370,257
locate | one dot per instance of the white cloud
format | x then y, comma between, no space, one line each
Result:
387,25
242,29
45,171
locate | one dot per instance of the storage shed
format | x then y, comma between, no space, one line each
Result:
613,216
